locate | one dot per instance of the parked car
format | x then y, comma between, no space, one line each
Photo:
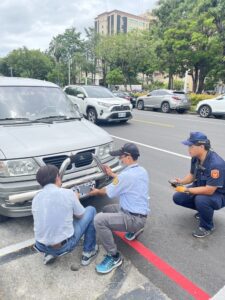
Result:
211,107
98,103
39,125
127,96
165,100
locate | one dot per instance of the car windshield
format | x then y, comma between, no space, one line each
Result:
21,103
98,92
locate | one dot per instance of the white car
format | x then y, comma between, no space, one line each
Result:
211,107
98,103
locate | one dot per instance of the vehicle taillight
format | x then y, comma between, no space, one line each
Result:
176,98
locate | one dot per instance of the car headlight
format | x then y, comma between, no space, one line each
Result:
105,104
104,150
18,167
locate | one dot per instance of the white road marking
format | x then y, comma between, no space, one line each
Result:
151,147
16,247
154,123
175,117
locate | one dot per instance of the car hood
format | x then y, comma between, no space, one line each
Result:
113,101
29,140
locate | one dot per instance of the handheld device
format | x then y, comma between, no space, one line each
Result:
99,164
173,183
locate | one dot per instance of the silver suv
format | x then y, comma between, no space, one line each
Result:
165,100
40,125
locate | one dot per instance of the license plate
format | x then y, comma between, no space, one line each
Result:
122,115
84,188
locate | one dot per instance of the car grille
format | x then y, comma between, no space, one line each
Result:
120,108
82,159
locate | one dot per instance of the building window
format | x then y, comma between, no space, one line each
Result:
112,24
118,23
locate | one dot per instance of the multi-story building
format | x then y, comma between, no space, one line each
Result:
116,21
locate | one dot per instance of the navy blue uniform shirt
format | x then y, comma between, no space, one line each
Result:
211,172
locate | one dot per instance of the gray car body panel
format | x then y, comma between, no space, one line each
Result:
20,140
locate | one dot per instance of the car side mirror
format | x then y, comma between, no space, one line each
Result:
81,96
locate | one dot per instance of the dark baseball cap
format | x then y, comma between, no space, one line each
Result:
196,138
127,149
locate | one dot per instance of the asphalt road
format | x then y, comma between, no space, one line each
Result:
169,227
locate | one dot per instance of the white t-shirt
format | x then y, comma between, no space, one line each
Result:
53,209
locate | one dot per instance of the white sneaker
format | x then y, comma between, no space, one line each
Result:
87,257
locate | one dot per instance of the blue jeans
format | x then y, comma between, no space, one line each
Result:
204,204
83,226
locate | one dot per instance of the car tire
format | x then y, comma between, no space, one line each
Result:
165,107
205,111
3,218
140,105
92,115
181,111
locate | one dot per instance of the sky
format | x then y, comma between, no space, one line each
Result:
33,23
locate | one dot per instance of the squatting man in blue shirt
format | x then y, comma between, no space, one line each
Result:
60,220
131,187
207,191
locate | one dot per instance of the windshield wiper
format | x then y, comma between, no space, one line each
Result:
15,119
58,118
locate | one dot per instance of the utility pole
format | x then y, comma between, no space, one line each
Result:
69,63
11,73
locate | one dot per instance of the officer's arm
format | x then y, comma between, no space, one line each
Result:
203,190
189,178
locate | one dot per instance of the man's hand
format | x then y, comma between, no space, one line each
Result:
93,192
109,171
181,189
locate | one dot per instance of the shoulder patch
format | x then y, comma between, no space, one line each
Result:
115,181
215,174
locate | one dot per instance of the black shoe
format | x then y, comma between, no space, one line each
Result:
201,232
197,216
48,259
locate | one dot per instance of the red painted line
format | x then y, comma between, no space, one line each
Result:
165,268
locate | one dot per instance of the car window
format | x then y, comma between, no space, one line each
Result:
73,91
98,92
34,102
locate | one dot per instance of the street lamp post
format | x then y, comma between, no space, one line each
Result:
11,73
69,64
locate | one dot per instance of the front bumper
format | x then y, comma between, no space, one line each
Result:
115,117
18,204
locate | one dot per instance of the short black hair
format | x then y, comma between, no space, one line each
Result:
47,174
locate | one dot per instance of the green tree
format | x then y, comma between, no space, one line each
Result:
27,63
115,76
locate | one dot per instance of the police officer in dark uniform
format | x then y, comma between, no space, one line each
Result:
207,178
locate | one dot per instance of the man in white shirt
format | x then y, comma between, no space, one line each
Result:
60,220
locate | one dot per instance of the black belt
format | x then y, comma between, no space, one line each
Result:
137,215
133,214
57,246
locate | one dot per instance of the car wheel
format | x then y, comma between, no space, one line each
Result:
140,105
204,111
3,218
165,107
92,115
181,111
